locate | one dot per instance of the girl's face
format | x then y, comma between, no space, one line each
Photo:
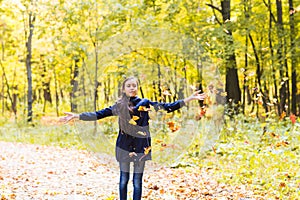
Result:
131,88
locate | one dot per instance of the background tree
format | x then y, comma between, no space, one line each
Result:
232,81
29,36
293,57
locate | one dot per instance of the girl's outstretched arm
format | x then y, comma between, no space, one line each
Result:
69,116
195,96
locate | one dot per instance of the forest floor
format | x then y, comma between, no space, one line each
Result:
45,172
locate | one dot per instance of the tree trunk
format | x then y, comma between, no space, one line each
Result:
28,67
96,82
74,84
141,89
232,82
293,60
245,74
56,91
46,85
159,80
10,97
259,74
280,31
2,94
107,89
272,55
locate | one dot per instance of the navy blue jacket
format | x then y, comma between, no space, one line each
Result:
134,140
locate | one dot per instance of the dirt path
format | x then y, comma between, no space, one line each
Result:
39,172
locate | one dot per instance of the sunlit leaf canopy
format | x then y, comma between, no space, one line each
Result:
68,30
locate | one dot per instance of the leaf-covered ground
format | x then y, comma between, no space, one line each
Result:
46,172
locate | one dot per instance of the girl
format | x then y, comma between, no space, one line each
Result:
134,142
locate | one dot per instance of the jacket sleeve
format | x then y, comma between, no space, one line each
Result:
93,116
169,107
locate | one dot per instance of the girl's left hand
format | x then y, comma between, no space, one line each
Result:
198,96
69,116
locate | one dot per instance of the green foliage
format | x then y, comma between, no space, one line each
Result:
48,135
262,155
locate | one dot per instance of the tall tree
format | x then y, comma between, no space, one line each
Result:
282,69
28,37
74,84
293,58
232,81
12,98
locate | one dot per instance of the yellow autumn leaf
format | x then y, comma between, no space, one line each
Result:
158,141
147,150
285,78
142,108
223,94
132,122
135,117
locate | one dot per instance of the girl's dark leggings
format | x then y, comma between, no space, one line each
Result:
137,179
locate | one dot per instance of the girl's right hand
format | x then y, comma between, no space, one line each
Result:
69,116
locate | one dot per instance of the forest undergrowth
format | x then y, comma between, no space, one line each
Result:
261,155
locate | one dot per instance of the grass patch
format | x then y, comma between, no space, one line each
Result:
263,155
54,135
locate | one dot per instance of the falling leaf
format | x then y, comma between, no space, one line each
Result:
283,115
201,113
282,184
172,126
164,145
249,56
223,94
135,117
252,74
158,141
293,118
147,150
167,93
285,78
214,149
142,133
282,143
161,191
132,122
226,31
272,134
143,108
